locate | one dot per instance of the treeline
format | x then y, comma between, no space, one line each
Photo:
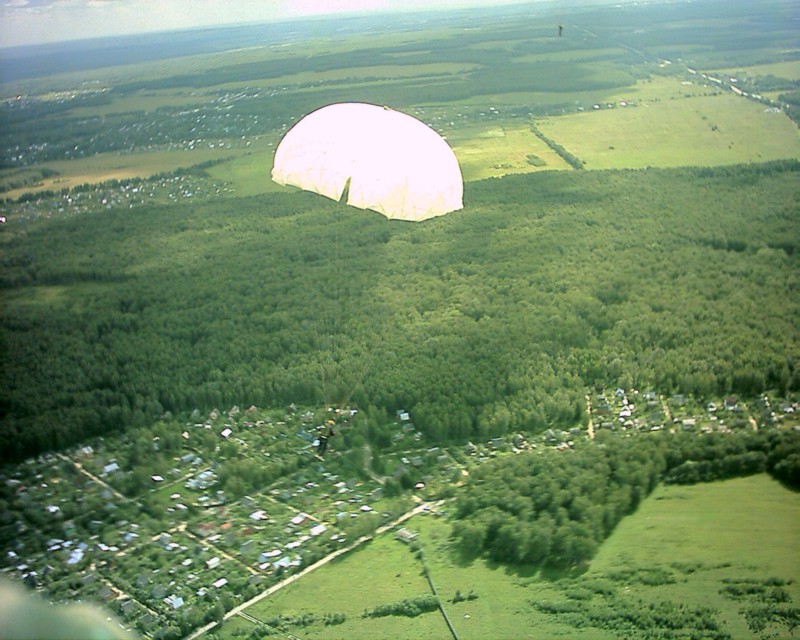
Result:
722,456
570,158
482,322
410,607
554,509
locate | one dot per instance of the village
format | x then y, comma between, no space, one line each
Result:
165,538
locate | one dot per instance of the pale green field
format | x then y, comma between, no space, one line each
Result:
572,55
116,166
751,523
249,174
382,572
675,131
499,150
482,152
788,70
701,534
143,101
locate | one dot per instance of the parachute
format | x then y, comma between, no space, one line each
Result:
387,161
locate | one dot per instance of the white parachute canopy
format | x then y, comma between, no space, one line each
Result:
395,164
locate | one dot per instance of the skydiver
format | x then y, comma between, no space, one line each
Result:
323,442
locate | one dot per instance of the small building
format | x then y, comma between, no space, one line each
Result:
75,557
212,563
299,519
111,467
105,594
174,601
220,583
266,556
406,535
496,443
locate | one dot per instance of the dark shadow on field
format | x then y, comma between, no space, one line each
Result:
463,560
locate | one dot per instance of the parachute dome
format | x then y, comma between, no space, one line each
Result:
395,164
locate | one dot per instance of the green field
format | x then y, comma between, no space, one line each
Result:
501,150
677,130
121,166
702,537
788,70
382,572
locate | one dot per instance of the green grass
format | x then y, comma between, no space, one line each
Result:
675,126
788,70
498,150
249,174
741,528
122,166
573,55
700,536
382,572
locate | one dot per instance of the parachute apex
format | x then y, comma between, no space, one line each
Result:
389,161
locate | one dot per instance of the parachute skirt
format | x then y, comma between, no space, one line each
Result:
387,161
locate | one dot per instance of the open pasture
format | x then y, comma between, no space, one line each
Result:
248,174
500,150
789,70
699,539
678,130
384,571
121,166
574,55
710,535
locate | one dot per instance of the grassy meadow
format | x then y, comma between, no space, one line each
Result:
695,540
670,124
381,572
709,533
121,166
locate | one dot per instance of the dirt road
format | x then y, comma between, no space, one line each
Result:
313,567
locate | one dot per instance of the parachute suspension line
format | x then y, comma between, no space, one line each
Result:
321,350
338,298
328,324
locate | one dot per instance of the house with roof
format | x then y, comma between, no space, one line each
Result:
406,535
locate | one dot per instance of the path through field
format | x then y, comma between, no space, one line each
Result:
320,563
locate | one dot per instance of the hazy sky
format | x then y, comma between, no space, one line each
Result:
37,21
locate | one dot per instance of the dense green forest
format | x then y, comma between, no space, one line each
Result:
487,320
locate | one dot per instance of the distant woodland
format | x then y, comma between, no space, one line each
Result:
488,320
